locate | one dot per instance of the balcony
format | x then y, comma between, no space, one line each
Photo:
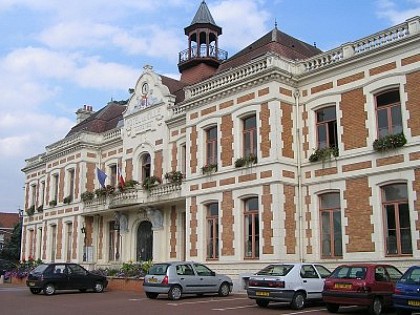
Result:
202,53
158,195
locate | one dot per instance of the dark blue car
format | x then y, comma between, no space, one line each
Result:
406,297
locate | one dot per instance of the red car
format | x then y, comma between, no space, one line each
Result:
370,285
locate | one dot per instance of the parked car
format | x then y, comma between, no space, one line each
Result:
6,265
64,276
406,296
178,278
295,283
370,285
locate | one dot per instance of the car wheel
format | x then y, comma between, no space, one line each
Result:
99,287
262,303
152,295
376,307
175,292
298,301
49,289
332,308
35,291
224,289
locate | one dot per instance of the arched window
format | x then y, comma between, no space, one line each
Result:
211,145
252,228
145,166
249,133
388,110
331,234
326,127
396,220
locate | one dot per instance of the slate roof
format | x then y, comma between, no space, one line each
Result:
105,119
274,41
203,15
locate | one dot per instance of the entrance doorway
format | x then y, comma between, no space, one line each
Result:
145,241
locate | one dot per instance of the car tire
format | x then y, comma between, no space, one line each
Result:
332,308
175,292
376,307
152,295
49,289
99,287
35,291
262,303
298,301
224,289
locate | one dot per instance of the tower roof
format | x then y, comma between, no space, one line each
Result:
203,15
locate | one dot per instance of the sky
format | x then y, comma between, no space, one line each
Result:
56,56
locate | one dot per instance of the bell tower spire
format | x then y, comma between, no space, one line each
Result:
203,55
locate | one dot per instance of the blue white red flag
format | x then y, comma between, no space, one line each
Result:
101,176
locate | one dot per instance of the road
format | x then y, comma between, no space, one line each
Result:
17,300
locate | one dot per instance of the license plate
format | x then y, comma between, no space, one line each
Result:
258,293
342,286
413,303
31,284
153,280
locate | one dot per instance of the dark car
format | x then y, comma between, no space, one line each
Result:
184,277
407,292
295,283
370,285
5,266
64,276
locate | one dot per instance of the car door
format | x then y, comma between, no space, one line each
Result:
77,277
187,278
207,281
58,277
311,281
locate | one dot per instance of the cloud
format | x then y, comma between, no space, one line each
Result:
395,12
241,29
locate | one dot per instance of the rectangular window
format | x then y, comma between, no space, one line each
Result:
250,136
252,228
211,146
388,108
114,241
213,231
331,234
326,127
33,195
55,188
42,194
183,159
71,183
113,175
397,220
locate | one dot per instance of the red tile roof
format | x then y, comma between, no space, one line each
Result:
8,220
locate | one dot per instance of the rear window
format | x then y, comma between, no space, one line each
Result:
40,269
275,270
349,272
412,276
158,270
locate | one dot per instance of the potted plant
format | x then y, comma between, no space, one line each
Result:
174,177
323,154
40,208
67,199
31,210
87,196
150,182
53,203
209,168
389,142
248,160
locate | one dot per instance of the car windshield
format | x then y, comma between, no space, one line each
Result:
40,269
158,270
349,272
411,277
275,270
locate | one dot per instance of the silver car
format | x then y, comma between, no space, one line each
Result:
184,277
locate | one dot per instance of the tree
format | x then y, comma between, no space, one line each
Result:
11,249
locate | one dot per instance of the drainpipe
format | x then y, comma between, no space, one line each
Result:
298,150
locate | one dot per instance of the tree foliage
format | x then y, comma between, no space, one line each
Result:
11,248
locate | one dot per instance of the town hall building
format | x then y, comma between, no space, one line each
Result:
280,152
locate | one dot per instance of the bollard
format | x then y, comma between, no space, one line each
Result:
1,279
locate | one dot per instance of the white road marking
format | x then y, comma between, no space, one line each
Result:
204,301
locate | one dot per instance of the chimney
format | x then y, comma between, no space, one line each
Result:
84,113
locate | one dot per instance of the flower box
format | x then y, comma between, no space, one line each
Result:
125,284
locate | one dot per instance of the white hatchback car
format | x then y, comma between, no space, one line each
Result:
295,283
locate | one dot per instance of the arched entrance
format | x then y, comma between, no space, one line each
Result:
144,241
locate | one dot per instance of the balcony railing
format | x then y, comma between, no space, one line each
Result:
133,196
201,52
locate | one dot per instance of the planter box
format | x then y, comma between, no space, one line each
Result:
125,284
18,281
